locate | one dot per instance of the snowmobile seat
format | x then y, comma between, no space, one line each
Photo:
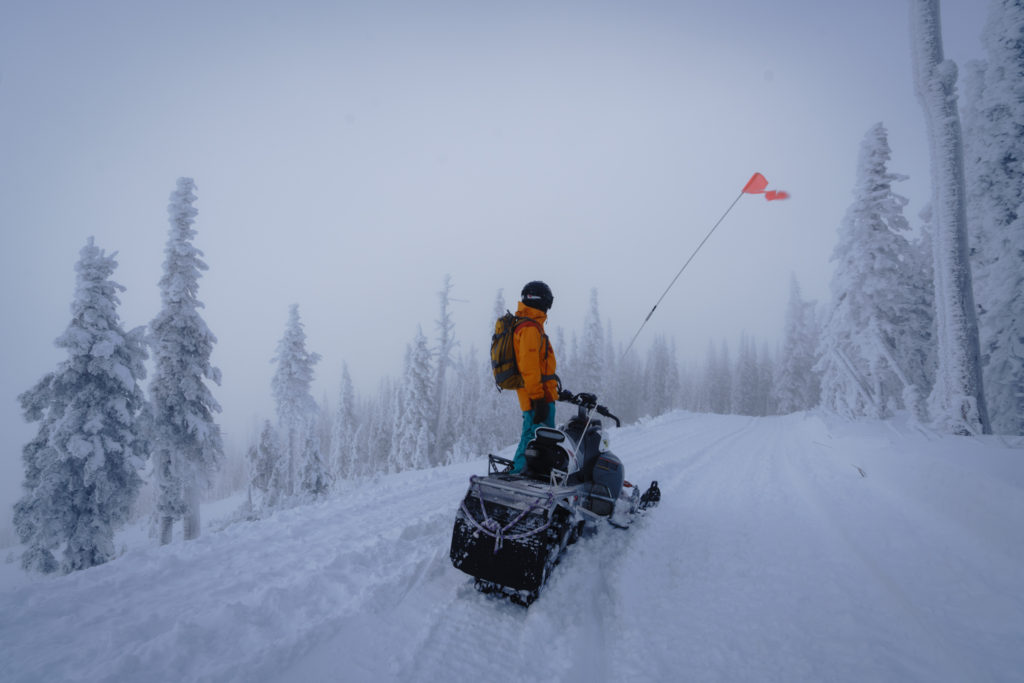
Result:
547,451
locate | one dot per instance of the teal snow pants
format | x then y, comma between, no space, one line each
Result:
529,427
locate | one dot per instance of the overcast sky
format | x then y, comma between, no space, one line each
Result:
349,155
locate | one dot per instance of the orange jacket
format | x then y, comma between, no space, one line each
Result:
535,358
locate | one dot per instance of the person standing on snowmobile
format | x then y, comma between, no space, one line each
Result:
536,362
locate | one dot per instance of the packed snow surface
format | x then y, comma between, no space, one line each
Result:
800,548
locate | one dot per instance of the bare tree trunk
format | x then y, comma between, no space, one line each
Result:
166,530
958,399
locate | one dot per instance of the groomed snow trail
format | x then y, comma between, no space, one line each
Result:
785,549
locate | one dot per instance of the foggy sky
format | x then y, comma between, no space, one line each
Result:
348,155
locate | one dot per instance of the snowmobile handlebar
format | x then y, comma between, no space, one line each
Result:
601,410
588,402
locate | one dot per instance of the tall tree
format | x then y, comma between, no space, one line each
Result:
747,389
469,423
993,111
590,363
380,435
796,383
877,324
626,396
81,469
413,436
958,398
316,471
343,429
296,407
264,470
187,445
661,377
766,364
441,426
717,380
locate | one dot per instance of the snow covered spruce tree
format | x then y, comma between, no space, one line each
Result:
796,383
444,438
469,424
186,442
590,362
317,478
766,365
661,377
748,390
81,469
957,400
716,381
413,436
871,359
627,393
343,430
993,114
265,471
382,427
302,466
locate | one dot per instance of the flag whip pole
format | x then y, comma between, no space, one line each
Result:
706,237
756,185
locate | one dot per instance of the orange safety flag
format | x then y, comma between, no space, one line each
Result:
757,185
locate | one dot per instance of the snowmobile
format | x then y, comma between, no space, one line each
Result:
511,529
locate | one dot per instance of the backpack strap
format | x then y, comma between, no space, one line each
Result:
547,344
527,321
531,321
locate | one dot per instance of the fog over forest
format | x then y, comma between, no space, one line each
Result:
370,189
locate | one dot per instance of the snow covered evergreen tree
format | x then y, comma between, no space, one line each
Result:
747,389
343,430
384,425
661,377
441,426
373,443
296,407
316,473
796,384
265,470
590,363
413,435
186,441
766,367
871,362
627,393
468,424
958,398
993,116
716,385
81,469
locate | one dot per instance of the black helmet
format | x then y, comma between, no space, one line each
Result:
537,295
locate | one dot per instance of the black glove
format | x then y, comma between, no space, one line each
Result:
540,411
565,395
